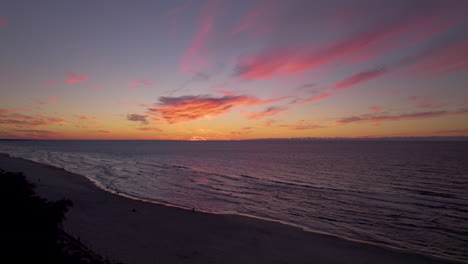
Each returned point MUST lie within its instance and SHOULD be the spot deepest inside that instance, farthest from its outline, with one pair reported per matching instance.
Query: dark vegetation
(31, 230)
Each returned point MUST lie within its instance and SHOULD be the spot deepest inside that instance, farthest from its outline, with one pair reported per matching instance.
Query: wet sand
(134, 231)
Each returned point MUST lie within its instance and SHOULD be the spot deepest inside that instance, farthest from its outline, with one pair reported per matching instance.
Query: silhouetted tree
(30, 226)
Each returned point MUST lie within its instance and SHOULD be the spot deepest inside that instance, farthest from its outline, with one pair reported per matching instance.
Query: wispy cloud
(21, 120)
(255, 21)
(360, 77)
(362, 46)
(138, 118)
(243, 131)
(303, 125)
(87, 118)
(150, 129)
(50, 99)
(137, 83)
(454, 132)
(406, 116)
(194, 59)
(269, 123)
(270, 111)
(75, 78)
(440, 61)
(172, 12)
(314, 98)
(101, 131)
(426, 102)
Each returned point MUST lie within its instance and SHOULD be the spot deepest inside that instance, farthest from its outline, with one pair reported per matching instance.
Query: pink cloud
(360, 77)
(291, 60)
(254, 21)
(3, 21)
(194, 59)
(4, 111)
(75, 78)
(29, 134)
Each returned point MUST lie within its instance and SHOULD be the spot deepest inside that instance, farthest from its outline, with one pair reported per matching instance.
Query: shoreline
(187, 236)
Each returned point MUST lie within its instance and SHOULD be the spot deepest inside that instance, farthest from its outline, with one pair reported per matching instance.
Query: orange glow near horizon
(220, 70)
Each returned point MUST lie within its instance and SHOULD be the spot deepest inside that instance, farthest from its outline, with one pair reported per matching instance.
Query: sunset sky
(230, 69)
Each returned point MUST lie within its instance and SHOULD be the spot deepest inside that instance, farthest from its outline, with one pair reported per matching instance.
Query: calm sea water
(409, 195)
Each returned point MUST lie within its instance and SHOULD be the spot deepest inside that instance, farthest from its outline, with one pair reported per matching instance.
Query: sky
(232, 69)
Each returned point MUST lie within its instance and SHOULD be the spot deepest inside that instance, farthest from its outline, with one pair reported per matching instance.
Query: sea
(409, 195)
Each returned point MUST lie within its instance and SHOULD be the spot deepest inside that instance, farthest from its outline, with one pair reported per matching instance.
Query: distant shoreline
(136, 232)
(321, 139)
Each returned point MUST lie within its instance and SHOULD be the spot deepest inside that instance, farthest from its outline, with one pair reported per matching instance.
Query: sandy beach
(133, 231)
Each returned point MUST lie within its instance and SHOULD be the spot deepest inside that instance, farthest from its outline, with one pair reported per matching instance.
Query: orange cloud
(187, 108)
(75, 78)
